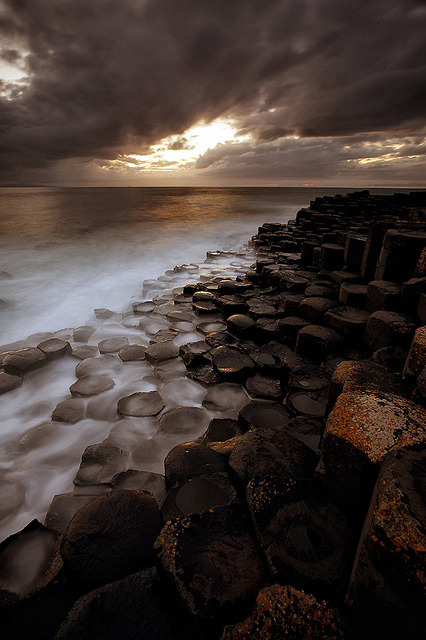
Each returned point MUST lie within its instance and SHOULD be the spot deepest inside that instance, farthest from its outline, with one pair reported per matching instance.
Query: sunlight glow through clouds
(177, 152)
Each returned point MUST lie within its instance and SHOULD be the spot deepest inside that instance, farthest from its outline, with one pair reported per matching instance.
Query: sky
(213, 92)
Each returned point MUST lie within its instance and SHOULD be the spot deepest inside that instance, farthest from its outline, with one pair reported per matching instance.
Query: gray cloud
(108, 76)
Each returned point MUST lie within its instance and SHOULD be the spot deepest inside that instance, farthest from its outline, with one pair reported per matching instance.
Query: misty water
(65, 252)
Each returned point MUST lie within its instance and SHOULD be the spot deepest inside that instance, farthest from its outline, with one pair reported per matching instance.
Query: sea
(67, 251)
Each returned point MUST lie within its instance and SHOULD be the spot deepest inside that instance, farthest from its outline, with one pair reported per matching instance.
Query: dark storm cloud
(107, 76)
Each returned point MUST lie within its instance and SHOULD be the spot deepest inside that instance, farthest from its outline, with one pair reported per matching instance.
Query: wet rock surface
(111, 537)
(141, 404)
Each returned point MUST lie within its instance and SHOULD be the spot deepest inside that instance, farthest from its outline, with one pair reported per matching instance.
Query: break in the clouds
(314, 89)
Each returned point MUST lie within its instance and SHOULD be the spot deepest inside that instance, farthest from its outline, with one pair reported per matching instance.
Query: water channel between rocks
(40, 456)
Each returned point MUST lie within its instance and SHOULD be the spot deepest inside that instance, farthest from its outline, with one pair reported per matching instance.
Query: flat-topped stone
(318, 342)
(190, 460)
(198, 494)
(23, 360)
(389, 328)
(132, 352)
(349, 321)
(383, 295)
(416, 359)
(232, 363)
(70, 410)
(91, 385)
(84, 352)
(140, 404)
(314, 309)
(99, 464)
(95, 366)
(63, 508)
(54, 348)
(112, 345)
(263, 415)
(183, 420)
(161, 351)
(260, 386)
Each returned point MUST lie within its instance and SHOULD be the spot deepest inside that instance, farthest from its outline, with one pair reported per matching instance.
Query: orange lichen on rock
(375, 423)
(416, 360)
(285, 612)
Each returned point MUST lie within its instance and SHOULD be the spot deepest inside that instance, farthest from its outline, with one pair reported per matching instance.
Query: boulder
(63, 508)
(348, 321)
(221, 429)
(284, 613)
(240, 325)
(9, 381)
(416, 360)
(111, 537)
(383, 295)
(353, 295)
(314, 309)
(232, 363)
(212, 564)
(305, 537)
(154, 483)
(386, 592)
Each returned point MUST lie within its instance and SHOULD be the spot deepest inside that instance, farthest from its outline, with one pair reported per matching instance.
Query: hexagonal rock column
(416, 360)
(305, 538)
(385, 328)
(349, 321)
(362, 428)
(212, 564)
(140, 404)
(386, 593)
(318, 342)
(399, 255)
(265, 451)
(54, 348)
(284, 613)
(23, 360)
(8, 381)
(232, 363)
(111, 537)
(383, 295)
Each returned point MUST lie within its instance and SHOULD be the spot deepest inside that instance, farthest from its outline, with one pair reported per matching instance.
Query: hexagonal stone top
(161, 351)
(91, 385)
(141, 404)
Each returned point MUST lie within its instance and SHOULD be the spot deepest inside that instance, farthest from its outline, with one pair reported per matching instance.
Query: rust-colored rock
(360, 431)
(416, 360)
(285, 613)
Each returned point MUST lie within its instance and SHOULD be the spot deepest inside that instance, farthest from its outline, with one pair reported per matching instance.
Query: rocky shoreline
(298, 509)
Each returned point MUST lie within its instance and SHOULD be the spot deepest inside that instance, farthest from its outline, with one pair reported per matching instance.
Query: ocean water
(64, 253)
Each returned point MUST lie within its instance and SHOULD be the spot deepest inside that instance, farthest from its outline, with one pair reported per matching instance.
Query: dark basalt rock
(197, 495)
(284, 613)
(111, 537)
(232, 363)
(225, 397)
(386, 593)
(103, 314)
(132, 352)
(23, 360)
(399, 255)
(240, 325)
(291, 325)
(221, 429)
(263, 415)
(261, 386)
(161, 351)
(265, 451)
(99, 464)
(211, 327)
(9, 381)
(348, 321)
(290, 302)
(353, 295)
(383, 295)
(306, 430)
(91, 386)
(304, 536)
(392, 358)
(154, 483)
(332, 256)
(220, 339)
(389, 328)
(54, 348)
(321, 291)
(70, 410)
(310, 404)
(183, 420)
(130, 608)
(314, 309)
(318, 342)
(163, 335)
(189, 460)
(308, 377)
(95, 366)
(212, 564)
(204, 373)
(141, 404)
